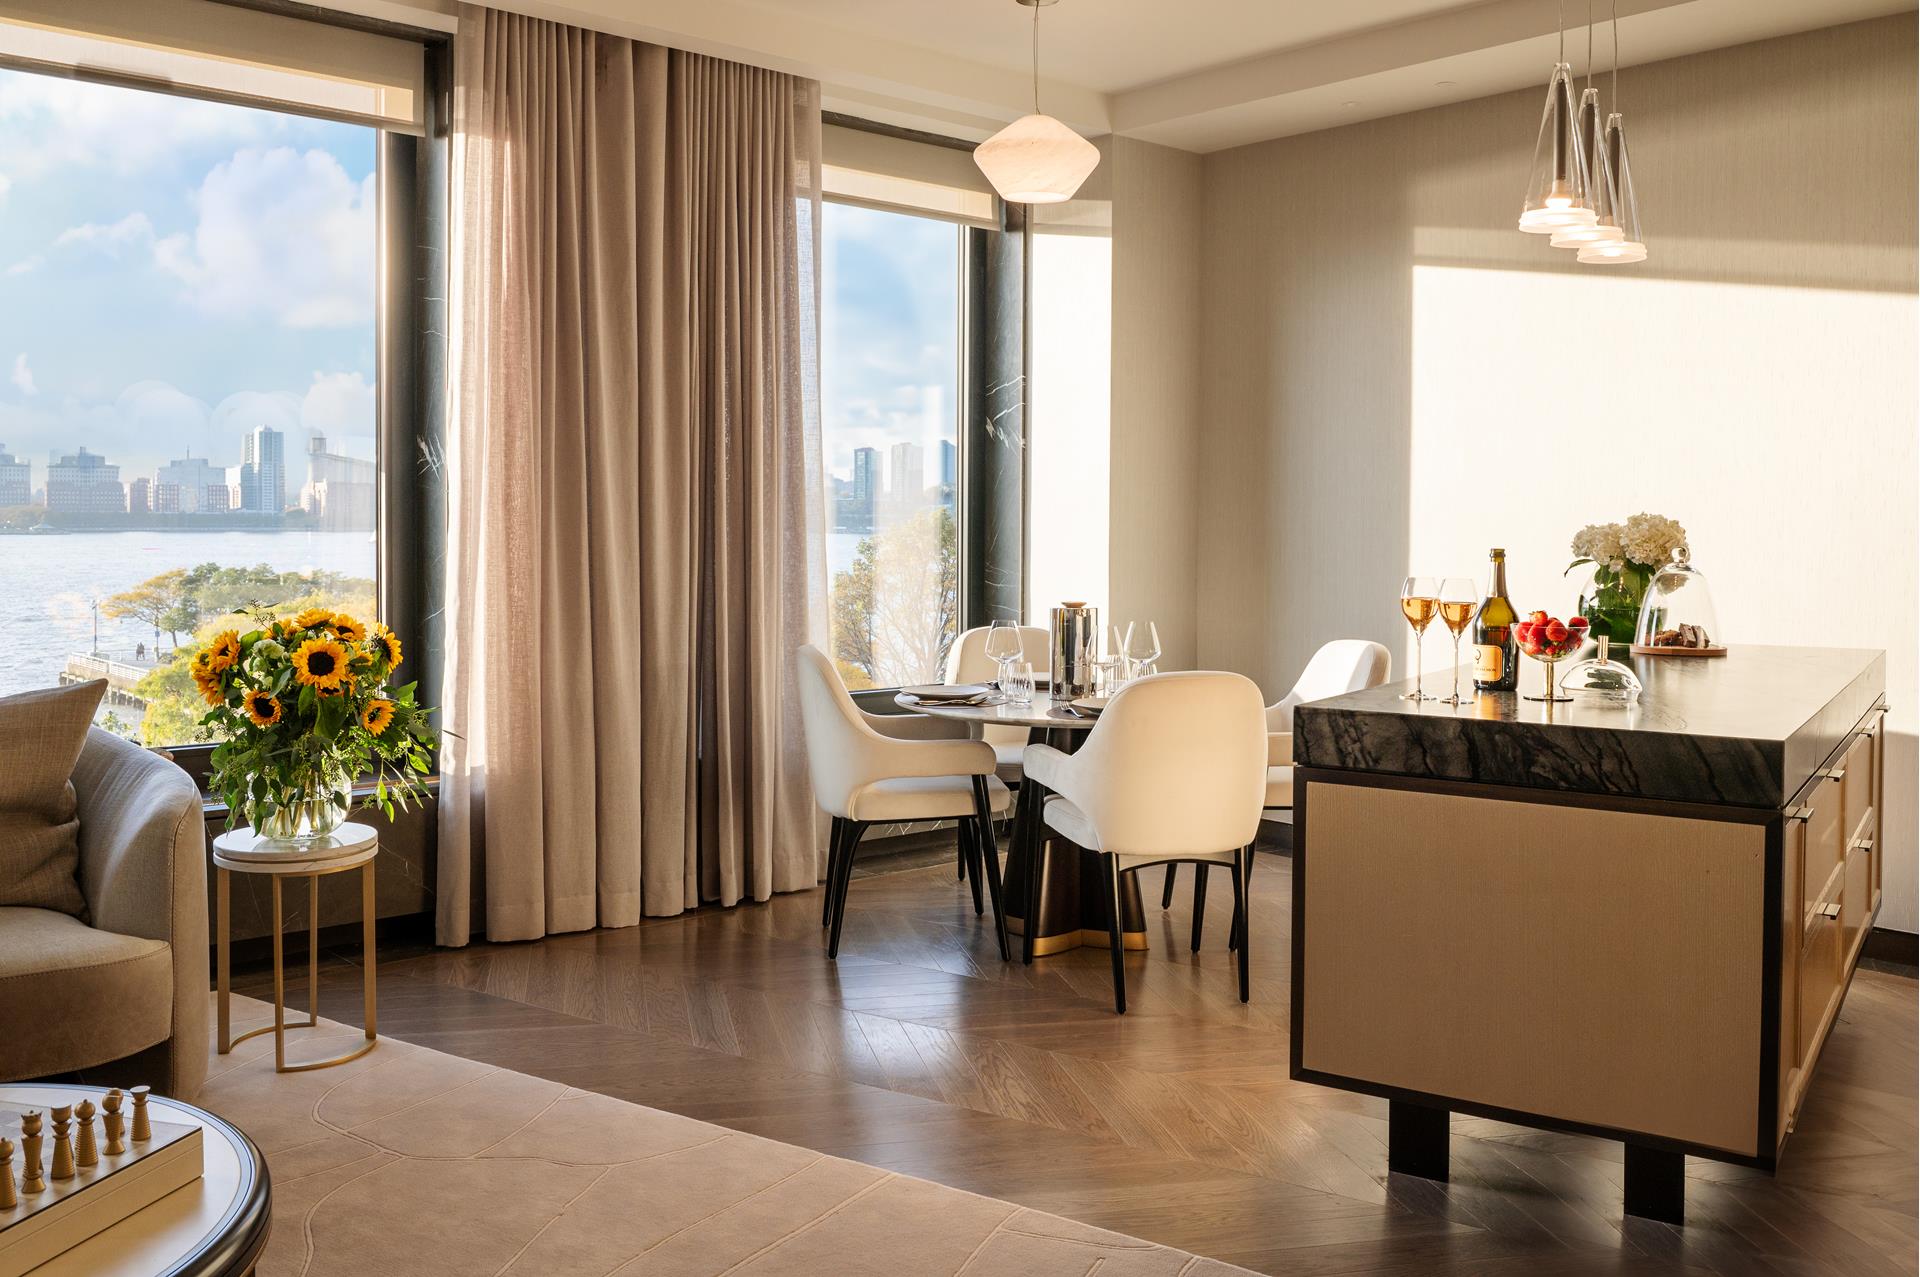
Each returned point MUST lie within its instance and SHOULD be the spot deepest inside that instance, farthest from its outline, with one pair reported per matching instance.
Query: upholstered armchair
(121, 996)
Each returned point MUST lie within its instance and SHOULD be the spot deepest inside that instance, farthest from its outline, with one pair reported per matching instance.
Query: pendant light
(1630, 247)
(1606, 227)
(1036, 159)
(1557, 196)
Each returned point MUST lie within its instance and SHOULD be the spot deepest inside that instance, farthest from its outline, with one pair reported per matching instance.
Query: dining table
(1052, 885)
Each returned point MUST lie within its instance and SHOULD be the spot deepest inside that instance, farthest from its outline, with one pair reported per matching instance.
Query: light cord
(1589, 44)
(1036, 58)
(1563, 32)
(1616, 55)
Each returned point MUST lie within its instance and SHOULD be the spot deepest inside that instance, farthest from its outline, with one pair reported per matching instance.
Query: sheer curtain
(635, 546)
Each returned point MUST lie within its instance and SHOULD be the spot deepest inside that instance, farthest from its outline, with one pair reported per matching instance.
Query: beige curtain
(635, 540)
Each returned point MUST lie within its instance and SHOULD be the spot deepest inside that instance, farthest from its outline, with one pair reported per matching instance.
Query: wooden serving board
(68, 1212)
(1644, 649)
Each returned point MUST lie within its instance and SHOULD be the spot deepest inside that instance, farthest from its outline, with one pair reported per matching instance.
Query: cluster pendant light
(1581, 189)
(1036, 159)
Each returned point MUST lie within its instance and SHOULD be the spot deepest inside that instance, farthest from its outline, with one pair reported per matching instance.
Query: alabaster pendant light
(1630, 247)
(1036, 159)
(1557, 195)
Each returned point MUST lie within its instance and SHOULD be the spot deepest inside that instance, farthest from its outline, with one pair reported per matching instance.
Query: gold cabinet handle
(1861, 844)
(1802, 814)
(1831, 909)
(1835, 773)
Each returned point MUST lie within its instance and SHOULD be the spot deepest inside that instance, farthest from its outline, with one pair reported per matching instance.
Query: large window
(889, 389)
(187, 299)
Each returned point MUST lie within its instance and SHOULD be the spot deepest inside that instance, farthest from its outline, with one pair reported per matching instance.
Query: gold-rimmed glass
(1459, 600)
(1419, 603)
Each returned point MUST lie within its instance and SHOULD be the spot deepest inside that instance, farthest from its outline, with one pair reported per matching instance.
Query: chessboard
(71, 1171)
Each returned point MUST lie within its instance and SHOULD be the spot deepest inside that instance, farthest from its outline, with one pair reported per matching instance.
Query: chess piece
(30, 1137)
(115, 1123)
(87, 1153)
(142, 1125)
(62, 1142)
(7, 1198)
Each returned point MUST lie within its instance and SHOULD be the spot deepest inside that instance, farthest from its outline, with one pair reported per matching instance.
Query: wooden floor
(921, 1052)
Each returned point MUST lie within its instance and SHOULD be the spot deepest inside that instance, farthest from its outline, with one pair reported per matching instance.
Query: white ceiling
(1197, 74)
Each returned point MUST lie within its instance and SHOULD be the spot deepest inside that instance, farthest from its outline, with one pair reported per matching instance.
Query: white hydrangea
(1604, 543)
(1651, 539)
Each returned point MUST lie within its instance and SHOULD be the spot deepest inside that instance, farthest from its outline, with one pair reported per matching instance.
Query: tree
(895, 609)
(159, 601)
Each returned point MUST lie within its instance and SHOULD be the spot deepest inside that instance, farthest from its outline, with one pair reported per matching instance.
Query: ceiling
(1201, 75)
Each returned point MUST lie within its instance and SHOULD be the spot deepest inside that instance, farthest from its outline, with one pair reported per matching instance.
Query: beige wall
(1393, 379)
(1155, 451)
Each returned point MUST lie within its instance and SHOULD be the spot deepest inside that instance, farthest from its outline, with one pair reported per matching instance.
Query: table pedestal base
(1072, 906)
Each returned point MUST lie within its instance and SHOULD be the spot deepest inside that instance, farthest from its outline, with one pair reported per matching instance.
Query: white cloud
(281, 233)
(132, 230)
(23, 375)
(48, 123)
(339, 405)
(6, 184)
(24, 265)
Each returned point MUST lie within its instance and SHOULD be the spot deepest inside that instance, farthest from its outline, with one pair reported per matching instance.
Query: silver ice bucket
(1075, 644)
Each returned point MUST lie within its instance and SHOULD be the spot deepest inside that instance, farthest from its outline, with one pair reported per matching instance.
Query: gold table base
(279, 1027)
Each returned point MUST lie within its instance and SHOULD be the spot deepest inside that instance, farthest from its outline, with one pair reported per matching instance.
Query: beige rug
(413, 1162)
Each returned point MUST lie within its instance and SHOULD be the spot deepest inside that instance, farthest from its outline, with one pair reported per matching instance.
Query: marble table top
(1041, 711)
(1746, 730)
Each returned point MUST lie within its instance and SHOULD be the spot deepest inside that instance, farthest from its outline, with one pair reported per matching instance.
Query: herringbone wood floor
(921, 1052)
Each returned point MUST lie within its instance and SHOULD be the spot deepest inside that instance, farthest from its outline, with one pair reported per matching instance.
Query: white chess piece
(88, 1152)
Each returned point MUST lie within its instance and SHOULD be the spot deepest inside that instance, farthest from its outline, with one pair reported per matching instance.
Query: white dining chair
(894, 768)
(1342, 665)
(1175, 770)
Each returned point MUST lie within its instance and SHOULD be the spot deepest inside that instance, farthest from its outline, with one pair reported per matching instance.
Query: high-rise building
(948, 466)
(907, 473)
(263, 471)
(184, 486)
(16, 479)
(83, 483)
(866, 474)
(339, 492)
(140, 496)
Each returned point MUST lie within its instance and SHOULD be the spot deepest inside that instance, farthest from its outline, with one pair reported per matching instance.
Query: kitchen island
(1636, 922)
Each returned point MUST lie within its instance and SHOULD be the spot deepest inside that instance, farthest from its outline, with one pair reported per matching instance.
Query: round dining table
(1056, 897)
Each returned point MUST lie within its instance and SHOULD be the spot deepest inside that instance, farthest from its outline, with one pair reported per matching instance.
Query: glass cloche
(1677, 617)
(1601, 678)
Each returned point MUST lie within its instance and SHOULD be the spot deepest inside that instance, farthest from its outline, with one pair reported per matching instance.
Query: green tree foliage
(896, 608)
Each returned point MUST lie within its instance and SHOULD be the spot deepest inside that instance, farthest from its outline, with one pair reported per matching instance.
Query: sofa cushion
(41, 733)
(72, 997)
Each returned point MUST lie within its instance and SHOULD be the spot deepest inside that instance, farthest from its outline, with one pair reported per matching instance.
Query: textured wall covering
(1156, 391)
(1389, 370)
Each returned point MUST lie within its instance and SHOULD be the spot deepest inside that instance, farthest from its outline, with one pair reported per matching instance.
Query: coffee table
(214, 1227)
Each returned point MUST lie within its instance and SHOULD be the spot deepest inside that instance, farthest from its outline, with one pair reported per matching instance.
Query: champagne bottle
(1496, 652)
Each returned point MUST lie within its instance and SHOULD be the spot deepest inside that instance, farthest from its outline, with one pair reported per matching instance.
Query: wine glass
(1459, 599)
(1123, 668)
(1143, 647)
(1003, 647)
(1419, 602)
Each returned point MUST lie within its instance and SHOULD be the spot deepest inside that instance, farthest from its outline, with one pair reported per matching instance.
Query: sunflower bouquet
(305, 708)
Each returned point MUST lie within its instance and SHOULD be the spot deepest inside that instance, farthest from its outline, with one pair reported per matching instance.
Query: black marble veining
(1744, 730)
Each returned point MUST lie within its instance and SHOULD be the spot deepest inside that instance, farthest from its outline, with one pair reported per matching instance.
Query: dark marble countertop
(1747, 729)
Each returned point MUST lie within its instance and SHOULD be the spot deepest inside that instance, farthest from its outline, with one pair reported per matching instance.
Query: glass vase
(1611, 603)
(315, 807)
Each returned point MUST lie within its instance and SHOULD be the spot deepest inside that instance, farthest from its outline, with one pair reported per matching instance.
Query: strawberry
(1577, 622)
(1524, 632)
(1556, 633)
(1538, 618)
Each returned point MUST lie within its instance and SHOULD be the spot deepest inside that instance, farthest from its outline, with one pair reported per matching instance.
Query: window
(187, 420)
(889, 390)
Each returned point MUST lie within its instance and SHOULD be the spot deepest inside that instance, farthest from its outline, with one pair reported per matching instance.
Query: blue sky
(890, 332)
(175, 272)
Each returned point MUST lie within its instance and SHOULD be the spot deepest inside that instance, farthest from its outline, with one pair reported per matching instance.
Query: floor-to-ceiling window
(890, 402)
(187, 416)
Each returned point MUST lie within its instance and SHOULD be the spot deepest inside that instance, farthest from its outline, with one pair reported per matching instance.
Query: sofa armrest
(143, 870)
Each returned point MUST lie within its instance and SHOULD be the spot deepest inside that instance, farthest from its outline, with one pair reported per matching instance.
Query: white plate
(1092, 704)
(947, 691)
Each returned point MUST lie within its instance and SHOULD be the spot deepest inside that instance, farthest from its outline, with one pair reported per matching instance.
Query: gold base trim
(350, 1056)
(1088, 937)
(308, 1023)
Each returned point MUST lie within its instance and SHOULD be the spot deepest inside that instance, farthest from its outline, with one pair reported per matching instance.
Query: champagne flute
(1003, 647)
(1419, 602)
(1459, 599)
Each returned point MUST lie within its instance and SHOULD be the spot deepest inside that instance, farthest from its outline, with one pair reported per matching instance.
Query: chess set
(106, 1163)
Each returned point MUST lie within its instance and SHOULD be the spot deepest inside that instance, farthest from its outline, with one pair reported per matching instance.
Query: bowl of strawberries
(1550, 640)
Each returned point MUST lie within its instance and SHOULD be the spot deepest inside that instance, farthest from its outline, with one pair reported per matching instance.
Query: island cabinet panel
(1583, 963)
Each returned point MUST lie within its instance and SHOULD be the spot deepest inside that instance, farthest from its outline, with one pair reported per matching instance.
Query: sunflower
(313, 618)
(376, 716)
(320, 663)
(223, 651)
(385, 642)
(282, 629)
(209, 685)
(346, 629)
(263, 708)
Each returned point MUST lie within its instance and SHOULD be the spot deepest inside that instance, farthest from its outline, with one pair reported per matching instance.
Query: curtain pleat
(635, 482)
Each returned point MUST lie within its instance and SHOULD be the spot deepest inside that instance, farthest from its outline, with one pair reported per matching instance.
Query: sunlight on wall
(1777, 424)
(1068, 466)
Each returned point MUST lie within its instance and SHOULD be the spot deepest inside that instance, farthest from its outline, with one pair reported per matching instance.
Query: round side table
(351, 846)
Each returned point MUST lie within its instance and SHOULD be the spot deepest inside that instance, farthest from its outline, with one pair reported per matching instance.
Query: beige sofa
(125, 999)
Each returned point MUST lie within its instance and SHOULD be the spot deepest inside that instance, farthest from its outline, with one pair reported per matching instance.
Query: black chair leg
(1166, 886)
(970, 851)
(960, 855)
(1034, 835)
(1240, 915)
(833, 870)
(1111, 865)
(850, 841)
(1199, 901)
(989, 860)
